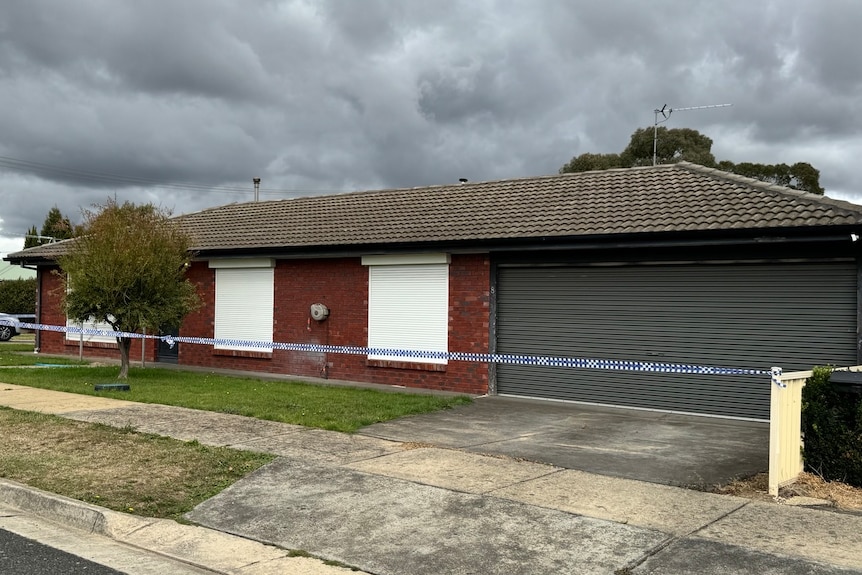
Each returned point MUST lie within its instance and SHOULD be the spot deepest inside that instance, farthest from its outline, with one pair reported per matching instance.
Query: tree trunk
(125, 344)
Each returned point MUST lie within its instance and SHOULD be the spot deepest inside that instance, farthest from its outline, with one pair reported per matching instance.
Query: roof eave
(676, 238)
(24, 261)
(670, 239)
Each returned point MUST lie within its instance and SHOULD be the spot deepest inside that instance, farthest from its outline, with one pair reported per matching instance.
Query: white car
(9, 326)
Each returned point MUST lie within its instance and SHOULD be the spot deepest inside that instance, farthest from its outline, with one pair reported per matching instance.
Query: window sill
(243, 353)
(92, 344)
(441, 367)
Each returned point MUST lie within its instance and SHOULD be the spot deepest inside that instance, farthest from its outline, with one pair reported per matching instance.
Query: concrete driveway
(664, 448)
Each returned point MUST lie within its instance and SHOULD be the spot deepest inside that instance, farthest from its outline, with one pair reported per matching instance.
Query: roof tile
(676, 197)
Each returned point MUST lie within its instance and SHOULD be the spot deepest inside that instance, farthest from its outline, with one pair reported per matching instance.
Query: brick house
(677, 264)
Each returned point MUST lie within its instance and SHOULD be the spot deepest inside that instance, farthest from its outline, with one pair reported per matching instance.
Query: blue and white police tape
(775, 373)
(409, 354)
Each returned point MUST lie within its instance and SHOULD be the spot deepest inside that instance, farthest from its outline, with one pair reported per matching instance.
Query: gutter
(662, 240)
(838, 235)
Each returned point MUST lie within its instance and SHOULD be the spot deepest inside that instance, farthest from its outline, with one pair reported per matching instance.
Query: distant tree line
(19, 296)
(678, 144)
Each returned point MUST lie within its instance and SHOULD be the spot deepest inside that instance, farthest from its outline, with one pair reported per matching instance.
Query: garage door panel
(716, 395)
(748, 316)
(797, 347)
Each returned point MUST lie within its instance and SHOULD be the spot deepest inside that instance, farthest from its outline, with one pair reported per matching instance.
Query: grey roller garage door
(736, 315)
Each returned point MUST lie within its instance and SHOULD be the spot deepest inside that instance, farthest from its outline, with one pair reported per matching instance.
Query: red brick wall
(341, 284)
(469, 319)
(50, 312)
(199, 323)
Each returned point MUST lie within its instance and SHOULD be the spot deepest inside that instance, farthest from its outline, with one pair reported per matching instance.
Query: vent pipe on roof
(463, 180)
(256, 187)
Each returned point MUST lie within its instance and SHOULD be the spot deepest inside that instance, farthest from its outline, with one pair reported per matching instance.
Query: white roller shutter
(88, 337)
(408, 309)
(243, 307)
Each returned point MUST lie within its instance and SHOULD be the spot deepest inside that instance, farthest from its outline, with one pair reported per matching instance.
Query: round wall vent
(319, 312)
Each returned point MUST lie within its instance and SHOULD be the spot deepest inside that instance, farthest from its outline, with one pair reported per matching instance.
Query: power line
(42, 169)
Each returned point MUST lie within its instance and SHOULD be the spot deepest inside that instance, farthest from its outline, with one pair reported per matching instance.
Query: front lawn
(119, 469)
(323, 406)
(19, 351)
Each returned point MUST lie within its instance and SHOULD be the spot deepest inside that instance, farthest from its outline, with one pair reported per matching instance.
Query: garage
(741, 315)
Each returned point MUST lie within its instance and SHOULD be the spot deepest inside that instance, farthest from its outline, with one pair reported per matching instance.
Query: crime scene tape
(408, 354)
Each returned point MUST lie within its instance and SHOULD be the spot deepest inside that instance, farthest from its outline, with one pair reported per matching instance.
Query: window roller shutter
(408, 309)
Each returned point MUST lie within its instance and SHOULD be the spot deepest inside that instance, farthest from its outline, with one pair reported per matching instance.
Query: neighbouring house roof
(681, 197)
(10, 272)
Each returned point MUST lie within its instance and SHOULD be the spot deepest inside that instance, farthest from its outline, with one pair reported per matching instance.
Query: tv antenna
(666, 112)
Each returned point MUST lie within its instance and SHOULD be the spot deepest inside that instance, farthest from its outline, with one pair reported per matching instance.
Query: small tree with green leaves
(832, 426)
(127, 269)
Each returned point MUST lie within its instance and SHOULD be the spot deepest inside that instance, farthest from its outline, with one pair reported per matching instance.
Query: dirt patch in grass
(840, 495)
(119, 469)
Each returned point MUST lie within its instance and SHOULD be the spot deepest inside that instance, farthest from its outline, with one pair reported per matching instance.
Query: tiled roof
(43, 252)
(669, 198)
(676, 197)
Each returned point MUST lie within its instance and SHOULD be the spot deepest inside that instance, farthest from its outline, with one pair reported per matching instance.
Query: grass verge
(20, 352)
(119, 469)
(334, 408)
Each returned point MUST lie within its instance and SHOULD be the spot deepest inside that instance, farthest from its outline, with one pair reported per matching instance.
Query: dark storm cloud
(829, 45)
(153, 47)
(319, 96)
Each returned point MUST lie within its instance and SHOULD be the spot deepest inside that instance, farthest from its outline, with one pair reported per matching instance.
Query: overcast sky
(182, 102)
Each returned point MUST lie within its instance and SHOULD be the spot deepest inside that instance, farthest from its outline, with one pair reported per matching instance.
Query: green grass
(137, 473)
(326, 407)
(18, 352)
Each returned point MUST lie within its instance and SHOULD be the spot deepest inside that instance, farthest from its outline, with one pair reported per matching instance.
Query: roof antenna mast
(666, 112)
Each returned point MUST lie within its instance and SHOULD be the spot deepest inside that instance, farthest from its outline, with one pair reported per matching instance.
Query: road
(22, 556)
(30, 545)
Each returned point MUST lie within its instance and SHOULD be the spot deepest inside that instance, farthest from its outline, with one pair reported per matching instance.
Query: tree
(588, 162)
(799, 176)
(127, 268)
(18, 296)
(55, 227)
(32, 239)
(678, 144)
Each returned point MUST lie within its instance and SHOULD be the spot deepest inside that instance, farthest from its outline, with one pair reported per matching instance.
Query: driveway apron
(671, 449)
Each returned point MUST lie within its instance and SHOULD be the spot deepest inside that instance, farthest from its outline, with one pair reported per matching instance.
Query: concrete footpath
(410, 507)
